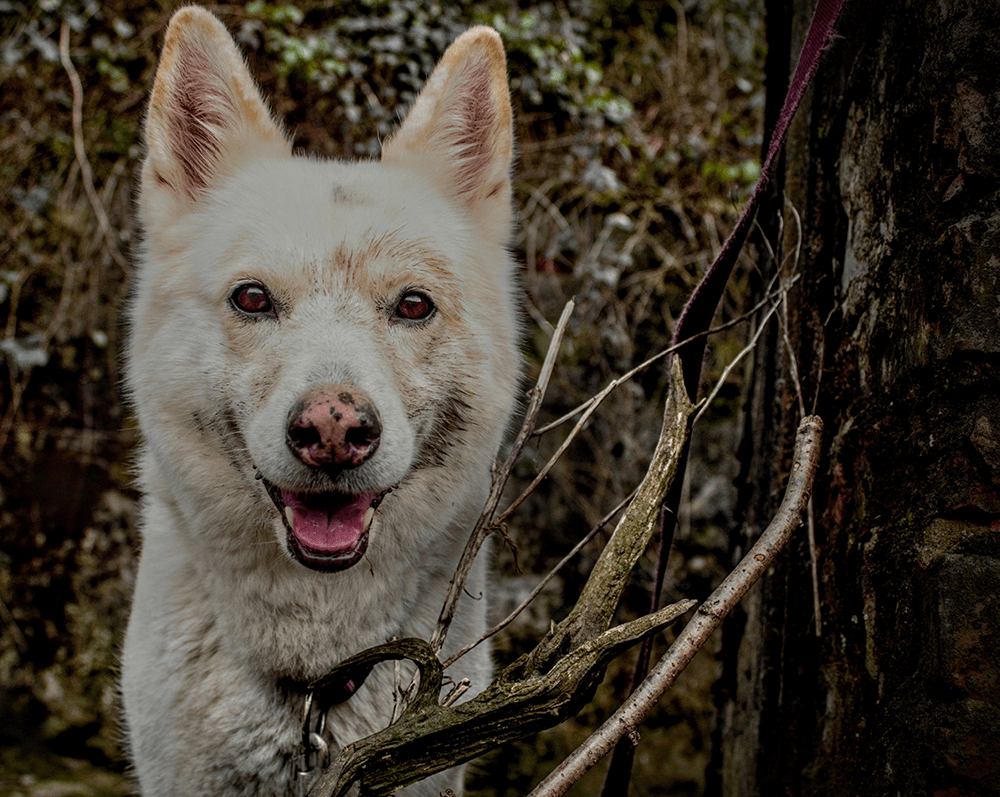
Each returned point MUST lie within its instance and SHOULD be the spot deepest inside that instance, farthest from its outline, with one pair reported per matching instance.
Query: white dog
(323, 361)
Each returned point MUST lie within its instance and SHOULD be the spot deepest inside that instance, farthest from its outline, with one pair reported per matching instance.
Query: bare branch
(540, 689)
(556, 679)
(541, 584)
(705, 621)
(610, 574)
(659, 356)
(430, 737)
(484, 525)
(81, 152)
(591, 408)
(728, 369)
(794, 370)
(814, 570)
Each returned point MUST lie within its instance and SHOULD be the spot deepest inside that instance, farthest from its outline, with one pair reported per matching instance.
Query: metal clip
(319, 746)
(314, 751)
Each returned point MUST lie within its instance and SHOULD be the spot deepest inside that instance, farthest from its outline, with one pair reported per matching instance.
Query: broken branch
(542, 688)
(708, 617)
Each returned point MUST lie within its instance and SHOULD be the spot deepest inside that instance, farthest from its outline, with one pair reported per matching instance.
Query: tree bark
(893, 168)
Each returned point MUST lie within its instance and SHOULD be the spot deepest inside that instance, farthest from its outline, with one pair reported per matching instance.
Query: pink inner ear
(471, 134)
(200, 111)
(459, 130)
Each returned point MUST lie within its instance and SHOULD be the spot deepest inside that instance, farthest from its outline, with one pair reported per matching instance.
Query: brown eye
(251, 298)
(414, 307)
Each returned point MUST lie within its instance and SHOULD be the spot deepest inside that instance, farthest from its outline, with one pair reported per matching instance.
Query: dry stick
(595, 402)
(793, 364)
(658, 356)
(541, 584)
(810, 525)
(620, 768)
(735, 361)
(538, 318)
(549, 684)
(81, 152)
(589, 407)
(706, 619)
(484, 524)
(810, 519)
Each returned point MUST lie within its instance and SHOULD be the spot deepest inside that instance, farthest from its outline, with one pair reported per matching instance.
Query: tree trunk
(892, 166)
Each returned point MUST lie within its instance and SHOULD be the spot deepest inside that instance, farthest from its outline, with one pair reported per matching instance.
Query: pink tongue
(327, 522)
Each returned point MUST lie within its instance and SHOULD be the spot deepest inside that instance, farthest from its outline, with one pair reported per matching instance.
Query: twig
(456, 692)
(658, 356)
(794, 367)
(81, 152)
(793, 363)
(706, 619)
(484, 525)
(541, 584)
(810, 520)
(15, 630)
(594, 404)
(538, 318)
(538, 690)
(611, 386)
(814, 568)
(728, 369)
(590, 406)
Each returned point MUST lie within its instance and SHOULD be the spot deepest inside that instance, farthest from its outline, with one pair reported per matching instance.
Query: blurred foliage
(639, 133)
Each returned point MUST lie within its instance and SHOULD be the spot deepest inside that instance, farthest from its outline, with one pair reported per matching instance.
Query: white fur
(221, 610)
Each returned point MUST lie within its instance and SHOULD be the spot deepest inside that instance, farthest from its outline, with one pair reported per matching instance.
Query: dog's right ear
(206, 115)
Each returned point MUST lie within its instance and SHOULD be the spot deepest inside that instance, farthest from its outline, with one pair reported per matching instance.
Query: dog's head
(318, 334)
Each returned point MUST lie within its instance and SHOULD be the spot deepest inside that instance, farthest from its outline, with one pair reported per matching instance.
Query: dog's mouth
(326, 531)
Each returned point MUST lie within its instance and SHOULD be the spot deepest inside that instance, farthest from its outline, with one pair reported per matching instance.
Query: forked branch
(484, 526)
(542, 688)
(708, 617)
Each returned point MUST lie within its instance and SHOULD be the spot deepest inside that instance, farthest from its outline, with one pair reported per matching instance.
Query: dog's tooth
(366, 521)
(289, 516)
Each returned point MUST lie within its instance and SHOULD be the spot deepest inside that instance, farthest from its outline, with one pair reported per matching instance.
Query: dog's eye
(251, 298)
(414, 307)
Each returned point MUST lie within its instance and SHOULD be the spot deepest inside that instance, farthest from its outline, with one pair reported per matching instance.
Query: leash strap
(700, 308)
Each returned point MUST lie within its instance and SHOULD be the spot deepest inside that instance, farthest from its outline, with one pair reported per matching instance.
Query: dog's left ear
(459, 131)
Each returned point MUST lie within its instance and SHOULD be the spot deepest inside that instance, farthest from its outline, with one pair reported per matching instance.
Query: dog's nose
(334, 426)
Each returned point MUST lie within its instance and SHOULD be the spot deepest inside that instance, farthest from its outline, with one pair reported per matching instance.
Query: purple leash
(700, 308)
